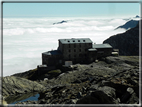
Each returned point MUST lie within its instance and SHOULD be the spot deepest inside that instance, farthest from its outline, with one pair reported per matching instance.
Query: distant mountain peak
(137, 16)
(128, 25)
(127, 42)
(60, 22)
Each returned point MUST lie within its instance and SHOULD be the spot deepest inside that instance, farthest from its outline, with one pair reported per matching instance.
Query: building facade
(77, 50)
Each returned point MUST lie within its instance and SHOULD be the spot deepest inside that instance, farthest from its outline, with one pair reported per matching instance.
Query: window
(69, 55)
(83, 40)
(89, 44)
(74, 50)
(69, 45)
(101, 52)
(80, 50)
(69, 50)
(78, 40)
(74, 45)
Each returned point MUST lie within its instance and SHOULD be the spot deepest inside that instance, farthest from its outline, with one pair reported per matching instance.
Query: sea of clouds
(24, 39)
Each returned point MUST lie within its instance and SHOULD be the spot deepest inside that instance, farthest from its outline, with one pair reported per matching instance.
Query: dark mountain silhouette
(127, 43)
(129, 24)
(137, 16)
(60, 22)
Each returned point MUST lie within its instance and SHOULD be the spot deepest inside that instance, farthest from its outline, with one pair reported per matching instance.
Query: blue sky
(71, 9)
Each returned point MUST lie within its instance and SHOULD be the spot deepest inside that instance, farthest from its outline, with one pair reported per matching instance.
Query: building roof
(75, 40)
(101, 46)
(54, 52)
(42, 66)
(92, 49)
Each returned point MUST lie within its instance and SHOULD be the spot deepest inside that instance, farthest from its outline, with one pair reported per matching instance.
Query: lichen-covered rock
(15, 85)
(109, 91)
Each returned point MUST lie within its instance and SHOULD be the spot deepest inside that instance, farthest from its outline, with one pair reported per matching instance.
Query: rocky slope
(127, 43)
(128, 25)
(112, 80)
(12, 85)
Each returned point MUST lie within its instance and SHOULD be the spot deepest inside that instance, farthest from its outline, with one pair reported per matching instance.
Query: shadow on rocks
(97, 97)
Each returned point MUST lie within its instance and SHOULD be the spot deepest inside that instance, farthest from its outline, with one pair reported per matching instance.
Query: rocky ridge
(12, 85)
(128, 25)
(127, 43)
(112, 80)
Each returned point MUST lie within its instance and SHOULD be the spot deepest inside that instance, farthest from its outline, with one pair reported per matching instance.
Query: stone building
(103, 50)
(51, 58)
(77, 50)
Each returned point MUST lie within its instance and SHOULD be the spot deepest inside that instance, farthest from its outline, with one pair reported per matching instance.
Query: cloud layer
(25, 39)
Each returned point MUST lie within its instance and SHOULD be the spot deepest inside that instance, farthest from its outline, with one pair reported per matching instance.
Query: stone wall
(76, 52)
(92, 56)
(103, 52)
(51, 59)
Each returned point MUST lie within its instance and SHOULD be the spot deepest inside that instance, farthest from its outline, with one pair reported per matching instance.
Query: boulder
(97, 97)
(15, 85)
(108, 90)
(133, 99)
(127, 95)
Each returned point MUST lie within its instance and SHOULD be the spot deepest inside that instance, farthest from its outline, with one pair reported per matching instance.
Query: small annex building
(75, 50)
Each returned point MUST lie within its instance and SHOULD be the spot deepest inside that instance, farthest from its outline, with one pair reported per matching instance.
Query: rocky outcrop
(112, 80)
(127, 43)
(12, 85)
(130, 24)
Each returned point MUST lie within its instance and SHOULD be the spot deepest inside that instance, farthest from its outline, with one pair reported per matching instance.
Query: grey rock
(130, 90)
(99, 84)
(108, 90)
(134, 82)
(79, 95)
(133, 99)
(16, 85)
(127, 95)
(97, 97)
(74, 101)
(94, 87)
